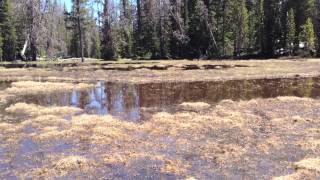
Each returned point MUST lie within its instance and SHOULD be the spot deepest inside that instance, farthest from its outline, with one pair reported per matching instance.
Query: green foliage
(317, 25)
(307, 35)
(1, 51)
(291, 31)
(8, 31)
(125, 37)
(241, 28)
(96, 47)
(199, 42)
(149, 41)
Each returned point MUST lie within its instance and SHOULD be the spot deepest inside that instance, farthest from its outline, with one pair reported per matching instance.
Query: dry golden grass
(301, 174)
(21, 88)
(36, 110)
(197, 106)
(309, 164)
(64, 166)
(312, 144)
(194, 144)
(45, 121)
(10, 135)
(166, 164)
(91, 127)
(86, 72)
(305, 169)
(27, 87)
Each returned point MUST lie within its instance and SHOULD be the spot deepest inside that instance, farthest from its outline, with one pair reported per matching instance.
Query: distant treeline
(159, 29)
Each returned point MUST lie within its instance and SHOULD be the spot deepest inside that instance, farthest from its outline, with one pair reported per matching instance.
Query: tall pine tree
(291, 31)
(7, 31)
(317, 25)
(307, 35)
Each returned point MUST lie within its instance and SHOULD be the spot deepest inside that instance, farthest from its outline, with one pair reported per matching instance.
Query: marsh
(89, 121)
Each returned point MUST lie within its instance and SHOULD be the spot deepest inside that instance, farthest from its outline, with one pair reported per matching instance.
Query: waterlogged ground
(135, 128)
(159, 71)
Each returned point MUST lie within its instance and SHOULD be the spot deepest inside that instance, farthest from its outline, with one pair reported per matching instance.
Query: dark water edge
(132, 102)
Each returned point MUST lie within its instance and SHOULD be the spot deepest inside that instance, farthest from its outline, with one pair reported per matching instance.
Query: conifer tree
(126, 30)
(241, 28)
(317, 25)
(1, 52)
(291, 31)
(107, 43)
(307, 35)
(8, 32)
(269, 24)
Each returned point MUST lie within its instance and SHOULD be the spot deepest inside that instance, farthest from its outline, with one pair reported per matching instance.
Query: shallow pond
(136, 102)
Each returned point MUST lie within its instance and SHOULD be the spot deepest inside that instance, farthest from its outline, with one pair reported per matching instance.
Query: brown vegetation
(35, 110)
(229, 139)
(23, 88)
(141, 71)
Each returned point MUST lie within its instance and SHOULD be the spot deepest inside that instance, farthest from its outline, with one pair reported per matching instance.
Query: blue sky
(67, 3)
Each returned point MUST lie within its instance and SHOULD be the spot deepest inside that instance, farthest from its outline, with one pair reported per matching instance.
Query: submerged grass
(36, 110)
(22, 88)
(225, 140)
(64, 166)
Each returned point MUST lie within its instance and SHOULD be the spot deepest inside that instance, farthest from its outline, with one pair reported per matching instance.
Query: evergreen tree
(79, 16)
(107, 43)
(269, 24)
(198, 22)
(149, 42)
(241, 28)
(96, 46)
(8, 32)
(165, 32)
(304, 9)
(1, 52)
(307, 35)
(126, 30)
(317, 25)
(255, 21)
(291, 31)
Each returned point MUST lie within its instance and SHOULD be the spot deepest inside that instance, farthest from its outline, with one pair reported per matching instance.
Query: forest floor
(259, 138)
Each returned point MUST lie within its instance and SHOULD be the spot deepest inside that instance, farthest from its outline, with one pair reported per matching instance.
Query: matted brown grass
(256, 69)
(36, 110)
(253, 139)
(23, 88)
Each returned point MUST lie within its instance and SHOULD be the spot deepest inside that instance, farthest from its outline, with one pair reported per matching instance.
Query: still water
(134, 102)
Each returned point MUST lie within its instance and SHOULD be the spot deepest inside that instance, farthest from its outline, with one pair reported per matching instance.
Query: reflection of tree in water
(123, 101)
(126, 100)
(116, 99)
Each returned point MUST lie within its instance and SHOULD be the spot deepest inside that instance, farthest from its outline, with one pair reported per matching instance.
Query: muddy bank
(167, 71)
(262, 138)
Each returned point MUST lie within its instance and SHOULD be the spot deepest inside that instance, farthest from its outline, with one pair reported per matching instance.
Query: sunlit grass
(135, 71)
(229, 135)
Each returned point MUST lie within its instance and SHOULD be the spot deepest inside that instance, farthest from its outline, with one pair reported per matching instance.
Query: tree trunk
(23, 51)
(139, 16)
(223, 28)
(107, 43)
(33, 36)
(268, 29)
(80, 31)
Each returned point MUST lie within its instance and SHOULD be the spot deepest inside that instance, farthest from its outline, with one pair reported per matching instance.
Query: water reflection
(120, 100)
(130, 101)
